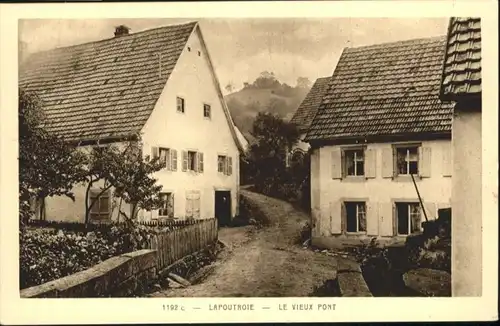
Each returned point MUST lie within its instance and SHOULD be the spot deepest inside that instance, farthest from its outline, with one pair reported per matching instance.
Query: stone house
(379, 123)
(461, 84)
(160, 83)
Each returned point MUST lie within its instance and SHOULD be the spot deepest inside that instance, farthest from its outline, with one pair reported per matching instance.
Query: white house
(306, 111)
(159, 83)
(461, 84)
(380, 122)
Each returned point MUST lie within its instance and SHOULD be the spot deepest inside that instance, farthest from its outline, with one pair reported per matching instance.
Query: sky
(242, 48)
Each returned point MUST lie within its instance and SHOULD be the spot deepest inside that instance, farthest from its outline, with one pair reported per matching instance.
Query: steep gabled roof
(384, 90)
(305, 113)
(107, 88)
(462, 65)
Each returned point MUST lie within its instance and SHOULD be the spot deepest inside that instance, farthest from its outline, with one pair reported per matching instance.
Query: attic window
(116, 59)
(189, 49)
(106, 81)
(199, 53)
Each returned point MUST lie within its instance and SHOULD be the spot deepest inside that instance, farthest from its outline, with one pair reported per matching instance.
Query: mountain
(265, 94)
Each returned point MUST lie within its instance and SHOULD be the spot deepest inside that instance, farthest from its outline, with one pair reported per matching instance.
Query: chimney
(121, 30)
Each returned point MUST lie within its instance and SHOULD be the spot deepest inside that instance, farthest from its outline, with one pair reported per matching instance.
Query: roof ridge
(395, 43)
(112, 38)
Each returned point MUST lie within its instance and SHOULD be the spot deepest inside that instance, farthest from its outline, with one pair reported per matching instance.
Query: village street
(267, 262)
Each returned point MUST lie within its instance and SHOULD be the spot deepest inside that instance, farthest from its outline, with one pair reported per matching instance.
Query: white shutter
(387, 163)
(173, 160)
(431, 210)
(336, 217)
(386, 219)
(200, 162)
(155, 152)
(184, 161)
(370, 163)
(424, 162)
(447, 161)
(371, 219)
(189, 205)
(336, 163)
(229, 165)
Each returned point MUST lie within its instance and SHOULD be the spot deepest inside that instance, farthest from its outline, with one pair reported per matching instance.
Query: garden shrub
(49, 254)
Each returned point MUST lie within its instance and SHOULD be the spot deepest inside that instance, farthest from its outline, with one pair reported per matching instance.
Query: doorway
(223, 207)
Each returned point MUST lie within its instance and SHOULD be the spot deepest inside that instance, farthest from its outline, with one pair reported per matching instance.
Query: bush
(49, 254)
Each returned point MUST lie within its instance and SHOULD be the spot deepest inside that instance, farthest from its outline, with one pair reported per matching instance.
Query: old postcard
(278, 162)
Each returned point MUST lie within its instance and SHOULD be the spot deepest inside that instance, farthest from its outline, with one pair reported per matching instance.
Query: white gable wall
(192, 80)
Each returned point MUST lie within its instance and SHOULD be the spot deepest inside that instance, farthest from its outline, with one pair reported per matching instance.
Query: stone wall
(118, 276)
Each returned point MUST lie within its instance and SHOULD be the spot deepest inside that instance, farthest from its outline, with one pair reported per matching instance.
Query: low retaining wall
(350, 279)
(118, 276)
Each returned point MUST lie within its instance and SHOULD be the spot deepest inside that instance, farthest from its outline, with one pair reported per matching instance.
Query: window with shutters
(225, 164)
(354, 162)
(408, 218)
(167, 205)
(355, 217)
(407, 160)
(168, 156)
(192, 161)
(102, 204)
(180, 105)
(193, 204)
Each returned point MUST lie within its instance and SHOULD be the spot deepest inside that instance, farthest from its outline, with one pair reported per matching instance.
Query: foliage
(268, 161)
(48, 254)
(48, 166)
(128, 173)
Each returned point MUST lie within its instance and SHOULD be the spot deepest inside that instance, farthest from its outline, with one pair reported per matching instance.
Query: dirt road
(265, 262)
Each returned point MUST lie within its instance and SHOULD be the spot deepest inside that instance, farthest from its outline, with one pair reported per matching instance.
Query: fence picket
(181, 238)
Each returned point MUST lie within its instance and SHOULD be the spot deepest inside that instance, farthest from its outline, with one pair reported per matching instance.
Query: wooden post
(419, 198)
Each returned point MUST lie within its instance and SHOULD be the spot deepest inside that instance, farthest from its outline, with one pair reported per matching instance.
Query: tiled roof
(462, 66)
(106, 88)
(383, 90)
(304, 115)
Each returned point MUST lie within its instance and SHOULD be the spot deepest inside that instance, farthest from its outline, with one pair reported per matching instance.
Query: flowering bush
(48, 254)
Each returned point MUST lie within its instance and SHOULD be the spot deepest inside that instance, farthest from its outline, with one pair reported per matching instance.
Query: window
(192, 161)
(407, 218)
(167, 208)
(354, 162)
(165, 156)
(407, 160)
(168, 156)
(101, 208)
(206, 111)
(355, 217)
(193, 204)
(180, 104)
(225, 164)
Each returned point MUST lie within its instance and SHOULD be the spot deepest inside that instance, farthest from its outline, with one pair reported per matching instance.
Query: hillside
(273, 97)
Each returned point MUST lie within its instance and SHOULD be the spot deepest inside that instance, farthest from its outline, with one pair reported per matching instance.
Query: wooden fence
(187, 239)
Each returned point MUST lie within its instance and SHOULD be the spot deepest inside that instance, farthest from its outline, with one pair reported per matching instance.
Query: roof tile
(104, 88)
(384, 89)
(462, 67)
(305, 113)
